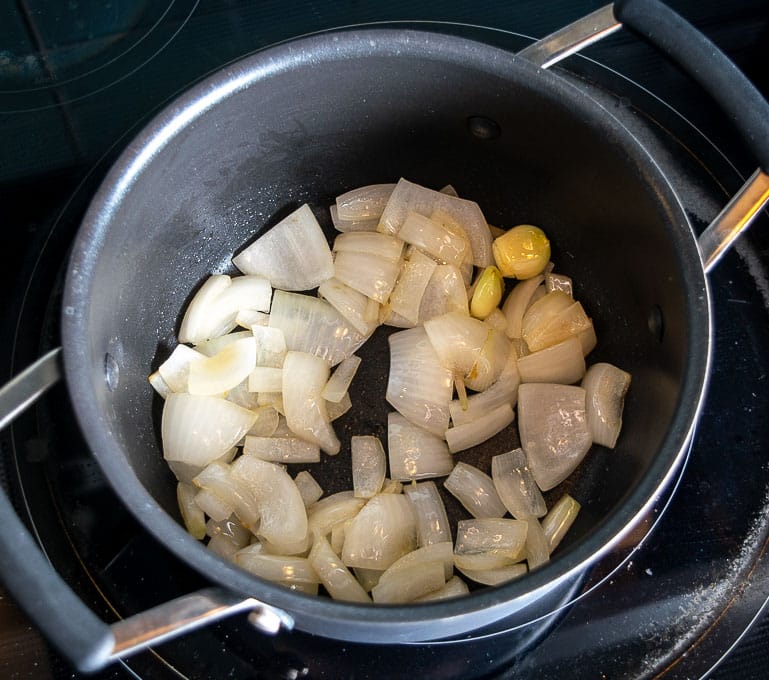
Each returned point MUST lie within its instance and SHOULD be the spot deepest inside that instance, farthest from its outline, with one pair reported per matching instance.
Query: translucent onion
(249, 317)
(553, 428)
(559, 282)
(266, 423)
(218, 481)
(516, 304)
(588, 339)
(334, 509)
(213, 506)
(368, 578)
(516, 486)
(284, 570)
(282, 449)
(481, 561)
(455, 587)
(265, 379)
(457, 339)
(159, 385)
(430, 513)
(340, 380)
(391, 486)
(380, 533)
(411, 197)
(309, 489)
(471, 434)
(192, 516)
(283, 518)
(418, 385)
(225, 370)
(336, 409)
(445, 292)
(230, 528)
(351, 225)
(561, 363)
(223, 546)
(537, 545)
(437, 552)
(497, 320)
(217, 344)
(489, 362)
(475, 490)
(368, 465)
(505, 537)
(364, 203)
(415, 453)
(434, 239)
(370, 274)
(448, 222)
(495, 577)
(242, 397)
(406, 297)
(605, 389)
(409, 583)
(552, 319)
(292, 255)
(333, 574)
(312, 325)
(195, 323)
(559, 520)
(351, 304)
(199, 429)
(175, 371)
(370, 242)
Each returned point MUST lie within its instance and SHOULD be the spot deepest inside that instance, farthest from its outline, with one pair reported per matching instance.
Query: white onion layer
(475, 490)
(415, 453)
(605, 389)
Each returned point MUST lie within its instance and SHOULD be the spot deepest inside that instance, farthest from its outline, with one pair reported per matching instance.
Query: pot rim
(326, 616)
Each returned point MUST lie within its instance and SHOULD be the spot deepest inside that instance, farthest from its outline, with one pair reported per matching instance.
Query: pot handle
(697, 56)
(64, 619)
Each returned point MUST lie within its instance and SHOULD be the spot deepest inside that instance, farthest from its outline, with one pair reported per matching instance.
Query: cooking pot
(305, 121)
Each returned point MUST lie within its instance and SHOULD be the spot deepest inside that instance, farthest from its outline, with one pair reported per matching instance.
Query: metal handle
(660, 26)
(64, 619)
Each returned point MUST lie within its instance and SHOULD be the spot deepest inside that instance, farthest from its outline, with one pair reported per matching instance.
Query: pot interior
(311, 120)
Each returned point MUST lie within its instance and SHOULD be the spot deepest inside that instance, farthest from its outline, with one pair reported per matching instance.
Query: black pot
(306, 121)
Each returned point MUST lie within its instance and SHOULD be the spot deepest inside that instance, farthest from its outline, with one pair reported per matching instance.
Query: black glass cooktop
(77, 80)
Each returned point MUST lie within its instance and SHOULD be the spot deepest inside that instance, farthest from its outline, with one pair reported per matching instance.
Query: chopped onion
(454, 588)
(380, 533)
(192, 515)
(415, 453)
(495, 577)
(333, 574)
(561, 363)
(246, 318)
(223, 546)
(217, 344)
(457, 339)
(517, 303)
(351, 225)
(265, 379)
(300, 547)
(448, 222)
(312, 325)
(337, 537)
(551, 319)
(391, 486)
(282, 569)
(429, 512)
(489, 362)
(553, 429)
(159, 385)
(370, 242)
(218, 480)
(230, 528)
(368, 465)
(516, 486)
(175, 371)
(363, 203)
(242, 397)
(309, 489)
(475, 490)
(559, 520)
(481, 561)
(559, 282)
(497, 320)
(198, 429)
(406, 297)
(195, 323)
(353, 305)
(293, 255)
(408, 197)
(434, 239)
(213, 506)
(588, 339)
(437, 552)
(418, 385)
(339, 507)
(282, 449)
(336, 409)
(266, 423)
(445, 292)
(449, 190)
(339, 382)
(605, 389)
(304, 377)
(372, 275)
(505, 537)
(225, 370)
(465, 436)
(409, 583)
(283, 518)
(270, 346)
(537, 545)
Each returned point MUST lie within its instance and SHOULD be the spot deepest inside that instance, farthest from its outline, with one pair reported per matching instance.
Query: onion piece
(246, 318)
(337, 537)
(588, 339)
(465, 436)
(516, 304)
(437, 552)
(553, 428)
(415, 453)
(192, 516)
(406, 297)
(559, 282)
(391, 486)
(430, 513)
(445, 292)
(353, 305)
(339, 507)
(448, 222)
(336, 409)
(270, 346)
(309, 489)
(282, 569)
(457, 339)
(380, 533)
(175, 371)
(475, 490)
(242, 397)
(281, 449)
(370, 242)
(230, 528)
(605, 389)
(368, 465)
(217, 479)
(368, 578)
(195, 323)
(339, 382)
(333, 574)
(497, 320)
(418, 385)
(372, 275)
(314, 326)
(351, 225)
(364, 203)
(265, 379)
(217, 344)
(304, 377)
(266, 423)
(489, 362)
(559, 520)
(481, 561)
(159, 385)
(198, 429)
(409, 583)
(516, 486)
(213, 506)
(225, 370)
(455, 587)
(411, 197)
(283, 518)
(292, 255)
(537, 545)
(223, 546)
(553, 319)
(561, 363)
(495, 577)
(506, 537)
(434, 239)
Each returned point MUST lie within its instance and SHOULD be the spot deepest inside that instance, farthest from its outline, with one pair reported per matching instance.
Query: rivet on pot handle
(660, 26)
(68, 623)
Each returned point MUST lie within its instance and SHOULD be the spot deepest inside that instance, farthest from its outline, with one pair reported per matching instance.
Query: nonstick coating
(311, 119)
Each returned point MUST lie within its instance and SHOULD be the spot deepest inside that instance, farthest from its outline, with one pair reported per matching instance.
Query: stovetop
(77, 81)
